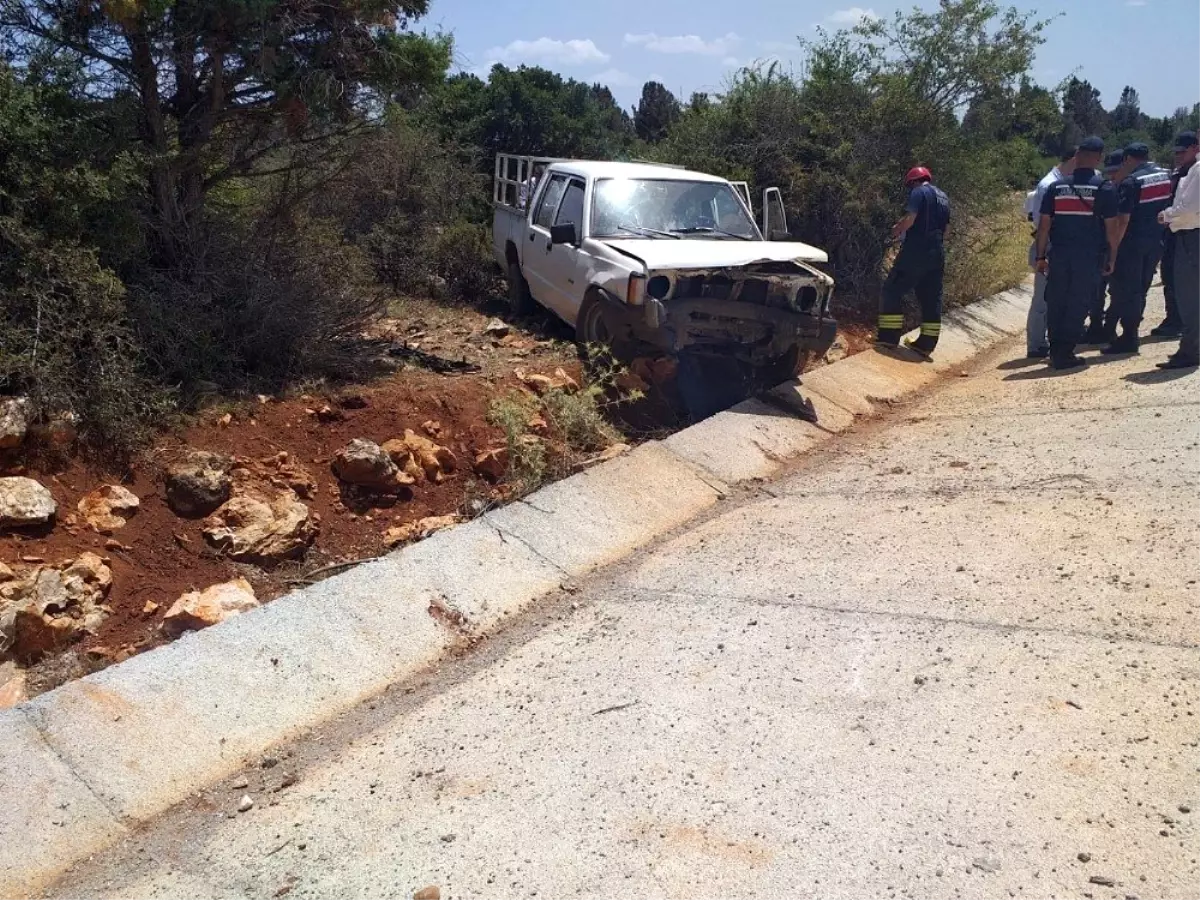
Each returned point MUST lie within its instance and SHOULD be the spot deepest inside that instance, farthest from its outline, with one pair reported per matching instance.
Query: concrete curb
(81, 765)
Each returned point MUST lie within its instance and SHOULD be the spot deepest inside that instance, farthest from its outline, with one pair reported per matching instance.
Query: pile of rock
(259, 528)
(105, 509)
(25, 503)
(365, 464)
(245, 520)
(14, 422)
(199, 483)
(47, 608)
(397, 464)
(200, 609)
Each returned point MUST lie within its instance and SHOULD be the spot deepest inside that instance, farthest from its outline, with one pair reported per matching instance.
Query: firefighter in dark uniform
(1172, 325)
(920, 265)
(1144, 193)
(1102, 327)
(1079, 217)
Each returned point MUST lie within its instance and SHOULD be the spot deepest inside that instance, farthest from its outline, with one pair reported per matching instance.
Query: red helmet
(919, 173)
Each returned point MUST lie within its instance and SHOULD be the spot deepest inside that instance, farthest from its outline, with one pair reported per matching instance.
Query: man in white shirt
(1183, 218)
(1037, 343)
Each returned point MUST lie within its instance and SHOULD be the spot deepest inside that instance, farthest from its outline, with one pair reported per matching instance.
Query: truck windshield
(666, 208)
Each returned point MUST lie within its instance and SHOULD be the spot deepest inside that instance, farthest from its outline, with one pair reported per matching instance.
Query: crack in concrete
(504, 534)
(121, 821)
(981, 625)
(1009, 414)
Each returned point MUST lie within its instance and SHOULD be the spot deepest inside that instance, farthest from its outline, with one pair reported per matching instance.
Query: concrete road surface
(953, 654)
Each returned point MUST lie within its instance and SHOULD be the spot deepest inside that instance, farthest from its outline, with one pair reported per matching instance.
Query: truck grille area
(773, 293)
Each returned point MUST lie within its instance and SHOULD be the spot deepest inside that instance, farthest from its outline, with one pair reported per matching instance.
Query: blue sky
(694, 45)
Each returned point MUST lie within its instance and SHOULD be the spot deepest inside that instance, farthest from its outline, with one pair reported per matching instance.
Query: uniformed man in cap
(1144, 193)
(1079, 217)
(1102, 328)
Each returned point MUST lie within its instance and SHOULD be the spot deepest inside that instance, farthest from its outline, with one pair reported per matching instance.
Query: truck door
(743, 190)
(533, 253)
(564, 268)
(774, 221)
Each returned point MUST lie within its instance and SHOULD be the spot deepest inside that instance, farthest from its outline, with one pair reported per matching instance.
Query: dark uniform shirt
(932, 209)
(1144, 194)
(1079, 205)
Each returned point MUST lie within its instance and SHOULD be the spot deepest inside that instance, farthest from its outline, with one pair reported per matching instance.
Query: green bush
(462, 256)
(66, 342)
(397, 193)
(875, 101)
(276, 301)
(527, 462)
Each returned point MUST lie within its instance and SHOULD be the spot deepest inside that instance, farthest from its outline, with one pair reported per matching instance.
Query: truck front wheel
(784, 368)
(520, 301)
(600, 328)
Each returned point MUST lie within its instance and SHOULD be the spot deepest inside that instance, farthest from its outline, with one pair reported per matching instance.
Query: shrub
(461, 256)
(992, 255)
(262, 304)
(579, 416)
(396, 194)
(66, 342)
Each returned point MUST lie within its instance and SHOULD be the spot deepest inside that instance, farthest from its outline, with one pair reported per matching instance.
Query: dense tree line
(195, 192)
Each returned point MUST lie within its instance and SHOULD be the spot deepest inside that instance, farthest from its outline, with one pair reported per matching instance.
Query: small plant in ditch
(574, 420)
(580, 416)
(527, 462)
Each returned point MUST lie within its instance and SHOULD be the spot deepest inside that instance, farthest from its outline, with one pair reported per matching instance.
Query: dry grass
(995, 256)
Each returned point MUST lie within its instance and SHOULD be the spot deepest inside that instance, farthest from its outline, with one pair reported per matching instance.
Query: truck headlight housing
(635, 293)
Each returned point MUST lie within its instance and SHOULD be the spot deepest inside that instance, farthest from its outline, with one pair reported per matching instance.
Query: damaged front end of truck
(764, 313)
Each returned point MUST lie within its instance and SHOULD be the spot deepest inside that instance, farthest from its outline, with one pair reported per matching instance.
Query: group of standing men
(1095, 231)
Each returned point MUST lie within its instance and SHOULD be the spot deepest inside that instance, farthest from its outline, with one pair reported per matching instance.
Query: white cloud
(848, 18)
(613, 78)
(547, 50)
(685, 43)
(730, 62)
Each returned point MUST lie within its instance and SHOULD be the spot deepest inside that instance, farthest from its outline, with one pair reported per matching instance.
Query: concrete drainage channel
(83, 764)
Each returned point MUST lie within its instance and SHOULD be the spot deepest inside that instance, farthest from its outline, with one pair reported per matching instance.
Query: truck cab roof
(597, 169)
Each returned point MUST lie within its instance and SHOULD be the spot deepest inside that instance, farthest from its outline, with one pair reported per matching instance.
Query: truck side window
(571, 208)
(548, 205)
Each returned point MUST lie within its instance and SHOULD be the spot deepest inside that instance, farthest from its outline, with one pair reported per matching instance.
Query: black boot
(1168, 329)
(1126, 343)
(1067, 362)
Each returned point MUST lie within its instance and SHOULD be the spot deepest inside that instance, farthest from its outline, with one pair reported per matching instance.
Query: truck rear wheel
(520, 301)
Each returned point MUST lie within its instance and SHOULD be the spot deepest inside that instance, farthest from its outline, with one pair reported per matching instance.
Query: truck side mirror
(564, 234)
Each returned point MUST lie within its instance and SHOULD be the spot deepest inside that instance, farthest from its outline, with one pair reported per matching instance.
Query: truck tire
(783, 368)
(520, 301)
(594, 326)
(598, 330)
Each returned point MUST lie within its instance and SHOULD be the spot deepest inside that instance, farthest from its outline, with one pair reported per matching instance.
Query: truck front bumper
(742, 330)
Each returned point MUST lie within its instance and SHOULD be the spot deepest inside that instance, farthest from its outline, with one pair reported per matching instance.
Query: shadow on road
(1158, 376)
(1022, 362)
(1046, 372)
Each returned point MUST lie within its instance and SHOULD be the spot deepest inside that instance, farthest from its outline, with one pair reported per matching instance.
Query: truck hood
(714, 254)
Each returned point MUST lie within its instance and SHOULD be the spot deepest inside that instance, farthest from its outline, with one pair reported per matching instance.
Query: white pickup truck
(638, 256)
